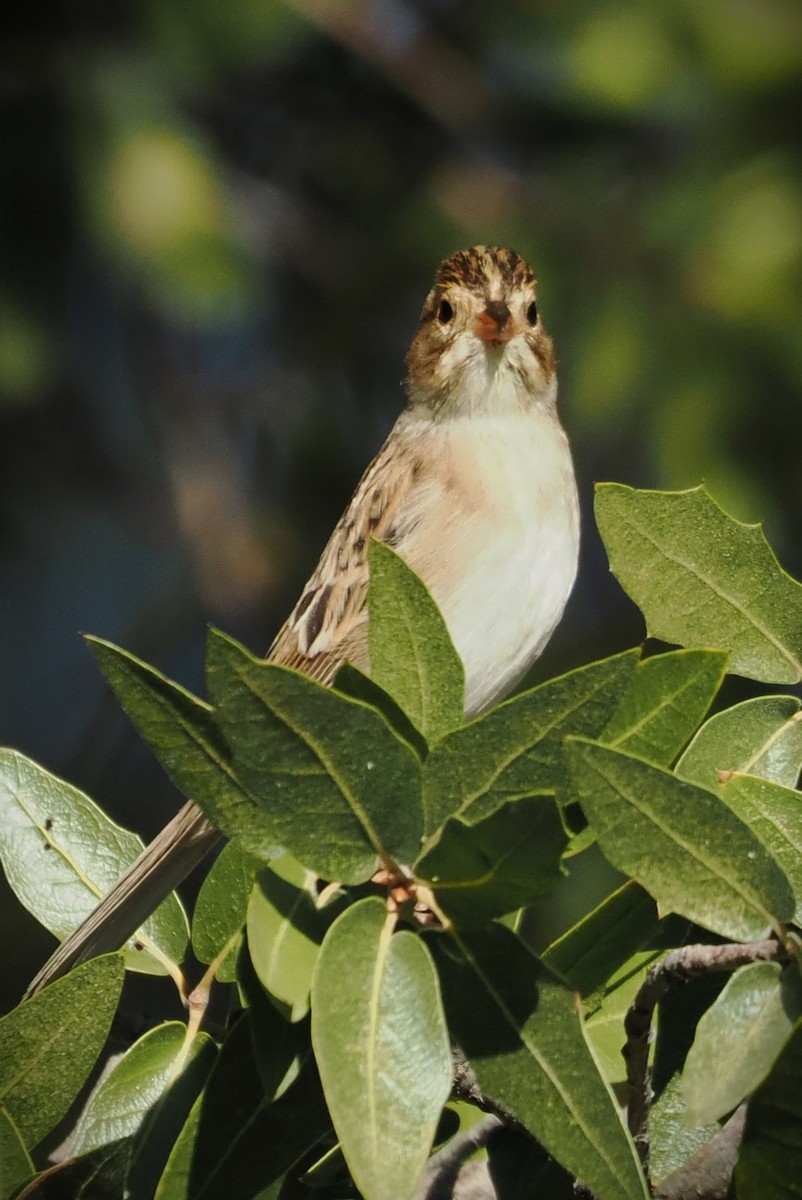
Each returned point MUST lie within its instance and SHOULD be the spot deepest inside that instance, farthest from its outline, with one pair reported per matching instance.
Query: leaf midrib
(727, 598)
(520, 750)
(340, 783)
(672, 836)
(553, 1079)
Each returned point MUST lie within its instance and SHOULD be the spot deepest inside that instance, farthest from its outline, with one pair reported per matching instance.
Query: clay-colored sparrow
(474, 488)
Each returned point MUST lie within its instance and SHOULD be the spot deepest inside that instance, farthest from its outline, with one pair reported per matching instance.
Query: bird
(474, 488)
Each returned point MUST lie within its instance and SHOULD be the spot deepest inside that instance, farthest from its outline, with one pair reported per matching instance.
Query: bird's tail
(161, 866)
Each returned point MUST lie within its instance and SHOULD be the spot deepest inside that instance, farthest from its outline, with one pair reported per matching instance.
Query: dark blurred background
(218, 223)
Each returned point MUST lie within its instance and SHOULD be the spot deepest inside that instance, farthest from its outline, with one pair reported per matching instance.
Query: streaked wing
(329, 623)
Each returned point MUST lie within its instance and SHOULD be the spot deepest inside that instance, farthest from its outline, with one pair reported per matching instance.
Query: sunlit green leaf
(166, 1117)
(762, 736)
(382, 1047)
(355, 683)
(679, 842)
(604, 1028)
(37, 1085)
(61, 854)
(15, 1161)
(703, 579)
(521, 1031)
(280, 1047)
(774, 815)
(221, 908)
(181, 731)
(498, 864)
(667, 698)
(517, 748)
(738, 1039)
(285, 929)
(118, 1105)
(770, 1161)
(411, 654)
(331, 781)
(672, 1141)
(235, 1141)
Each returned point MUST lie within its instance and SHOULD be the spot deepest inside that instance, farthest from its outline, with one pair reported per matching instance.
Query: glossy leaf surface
(680, 842)
(738, 1039)
(331, 780)
(37, 1085)
(411, 654)
(760, 737)
(117, 1107)
(221, 909)
(701, 578)
(517, 748)
(61, 854)
(520, 1029)
(382, 1048)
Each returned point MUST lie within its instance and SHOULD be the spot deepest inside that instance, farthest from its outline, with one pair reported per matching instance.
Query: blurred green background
(218, 224)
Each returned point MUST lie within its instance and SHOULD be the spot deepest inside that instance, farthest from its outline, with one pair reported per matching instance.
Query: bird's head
(480, 345)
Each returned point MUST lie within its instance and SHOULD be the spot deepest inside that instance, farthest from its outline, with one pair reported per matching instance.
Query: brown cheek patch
(544, 352)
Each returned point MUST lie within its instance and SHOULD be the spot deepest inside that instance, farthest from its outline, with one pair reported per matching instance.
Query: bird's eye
(444, 312)
(531, 313)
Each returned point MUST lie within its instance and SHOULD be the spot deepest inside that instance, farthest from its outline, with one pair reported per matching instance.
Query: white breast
(508, 557)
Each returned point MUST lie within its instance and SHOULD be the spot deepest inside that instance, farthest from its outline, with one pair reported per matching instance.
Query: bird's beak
(494, 325)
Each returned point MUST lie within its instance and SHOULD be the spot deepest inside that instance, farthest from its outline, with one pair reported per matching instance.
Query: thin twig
(680, 966)
(443, 1168)
(464, 1086)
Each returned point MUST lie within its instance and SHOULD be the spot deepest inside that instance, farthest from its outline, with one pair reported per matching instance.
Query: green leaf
(521, 1031)
(119, 1104)
(671, 1140)
(99, 1175)
(774, 815)
(604, 1028)
(221, 909)
(61, 854)
(16, 1164)
(761, 737)
(350, 681)
(165, 1120)
(668, 697)
(174, 1183)
(517, 748)
(49, 1044)
(333, 782)
(280, 1047)
(738, 1039)
(497, 865)
(703, 579)
(382, 1048)
(679, 842)
(590, 954)
(770, 1162)
(235, 1142)
(182, 732)
(412, 656)
(606, 957)
(285, 929)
